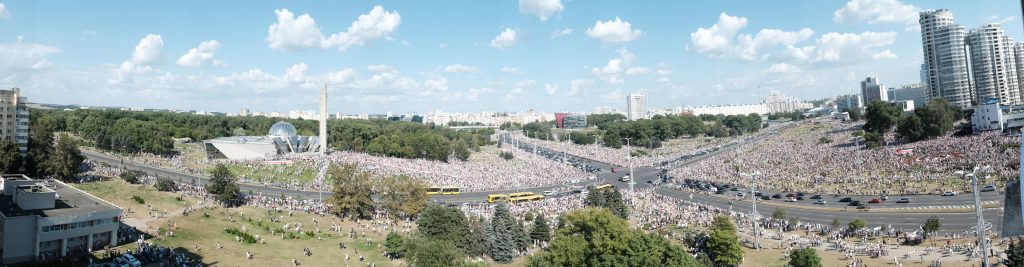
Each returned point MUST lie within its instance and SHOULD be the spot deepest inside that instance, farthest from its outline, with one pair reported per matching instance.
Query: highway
(646, 177)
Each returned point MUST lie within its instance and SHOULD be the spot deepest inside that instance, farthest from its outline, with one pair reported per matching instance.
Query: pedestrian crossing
(983, 204)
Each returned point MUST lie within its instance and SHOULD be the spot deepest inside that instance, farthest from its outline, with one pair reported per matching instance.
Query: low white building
(47, 219)
(991, 116)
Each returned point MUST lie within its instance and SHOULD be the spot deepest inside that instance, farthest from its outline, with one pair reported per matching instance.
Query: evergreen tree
(40, 147)
(931, 226)
(394, 244)
(723, 245)
(1015, 253)
(476, 240)
(503, 237)
(540, 231)
(443, 223)
(223, 185)
(10, 159)
(615, 203)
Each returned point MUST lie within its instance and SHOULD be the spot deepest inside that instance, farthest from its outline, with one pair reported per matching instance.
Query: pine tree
(503, 237)
(540, 231)
(1015, 253)
(10, 156)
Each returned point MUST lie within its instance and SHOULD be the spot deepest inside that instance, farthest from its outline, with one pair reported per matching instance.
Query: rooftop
(243, 140)
(70, 201)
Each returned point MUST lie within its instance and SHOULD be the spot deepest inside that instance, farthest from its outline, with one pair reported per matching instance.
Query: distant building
(848, 102)
(993, 64)
(49, 218)
(282, 139)
(604, 110)
(991, 115)
(779, 103)
(244, 112)
(917, 92)
(636, 106)
(945, 58)
(871, 90)
(574, 122)
(727, 110)
(14, 118)
(559, 118)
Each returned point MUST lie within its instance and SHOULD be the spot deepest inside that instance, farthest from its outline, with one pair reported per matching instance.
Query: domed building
(282, 139)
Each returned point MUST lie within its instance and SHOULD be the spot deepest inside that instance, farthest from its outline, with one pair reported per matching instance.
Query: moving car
(765, 197)
(625, 178)
(777, 196)
(790, 199)
(875, 201)
(949, 193)
(862, 206)
(740, 194)
(884, 198)
(903, 200)
(549, 193)
(989, 188)
(854, 203)
(846, 199)
(821, 202)
(816, 197)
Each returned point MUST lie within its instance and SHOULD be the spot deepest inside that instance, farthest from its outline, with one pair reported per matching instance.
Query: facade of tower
(323, 121)
(945, 58)
(636, 106)
(871, 90)
(1018, 54)
(14, 118)
(993, 65)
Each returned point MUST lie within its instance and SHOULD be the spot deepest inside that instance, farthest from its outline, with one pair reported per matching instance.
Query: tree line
(935, 119)
(153, 132)
(46, 157)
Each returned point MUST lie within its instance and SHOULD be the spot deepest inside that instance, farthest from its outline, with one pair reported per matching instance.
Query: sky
(461, 55)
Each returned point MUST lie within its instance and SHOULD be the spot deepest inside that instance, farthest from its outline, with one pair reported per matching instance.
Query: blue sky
(416, 56)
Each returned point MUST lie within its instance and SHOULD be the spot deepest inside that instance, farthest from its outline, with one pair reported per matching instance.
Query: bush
(505, 155)
(132, 177)
(245, 237)
(804, 257)
(165, 184)
(138, 199)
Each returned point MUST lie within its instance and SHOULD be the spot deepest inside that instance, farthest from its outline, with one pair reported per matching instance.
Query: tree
(476, 240)
(804, 257)
(931, 226)
(430, 252)
(873, 139)
(66, 159)
(540, 231)
(443, 223)
(723, 245)
(10, 156)
(402, 196)
(395, 245)
(881, 117)
(779, 214)
(130, 176)
(911, 127)
(835, 222)
(503, 235)
(615, 204)
(1015, 253)
(165, 184)
(222, 184)
(855, 114)
(40, 147)
(857, 224)
(350, 197)
(596, 237)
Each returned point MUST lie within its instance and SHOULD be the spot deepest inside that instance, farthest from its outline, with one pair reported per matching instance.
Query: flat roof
(243, 140)
(70, 201)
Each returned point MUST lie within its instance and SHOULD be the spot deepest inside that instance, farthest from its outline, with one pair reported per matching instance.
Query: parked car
(777, 196)
(903, 200)
(549, 193)
(790, 195)
(801, 198)
(846, 199)
(800, 194)
(121, 262)
(765, 197)
(875, 201)
(790, 199)
(740, 194)
(949, 193)
(131, 260)
(884, 198)
(821, 202)
(862, 206)
(816, 197)
(989, 188)
(854, 203)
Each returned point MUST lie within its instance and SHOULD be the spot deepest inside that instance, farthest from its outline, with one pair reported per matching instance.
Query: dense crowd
(645, 156)
(822, 156)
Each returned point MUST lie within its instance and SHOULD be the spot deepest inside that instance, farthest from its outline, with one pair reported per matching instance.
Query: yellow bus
(433, 191)
(450, 191)
(526, 198)
(520, 194)
(603, 187)
(496, 197)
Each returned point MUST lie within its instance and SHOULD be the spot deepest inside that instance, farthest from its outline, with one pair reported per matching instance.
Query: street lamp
(629, 155)
(753, 211)
(981, 226)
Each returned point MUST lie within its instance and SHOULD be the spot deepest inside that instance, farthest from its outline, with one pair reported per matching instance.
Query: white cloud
(1000, 20)
(614, 96)
(718, 37)
(722, 40)
(4, 14)
(887, 54)
(25, 56)
(782, 68)
(201, 55)
(560, 33)
(341, 76)
(149, 51)
(439, 84)
(543, 9)
(613, 31)
(459, 68)
(878, 11)
(525, 83)
(511, 70)
(611, 73)
(380, 68)
(374, 25)
(296, 73)
(832, 47)
(550, 89)
(579, 87)
(296, 33)
(507, 38)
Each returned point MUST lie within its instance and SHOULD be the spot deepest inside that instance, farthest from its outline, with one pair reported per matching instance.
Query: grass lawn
(120, 193)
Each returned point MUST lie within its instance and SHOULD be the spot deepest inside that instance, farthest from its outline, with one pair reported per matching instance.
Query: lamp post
(981, 226)
(753, 211)
(629, 155)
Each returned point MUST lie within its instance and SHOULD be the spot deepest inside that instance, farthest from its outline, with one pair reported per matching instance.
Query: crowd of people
(645, 156)
(822, 156)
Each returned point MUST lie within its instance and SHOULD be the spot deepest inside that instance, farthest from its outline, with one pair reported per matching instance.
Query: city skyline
(412, 57)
